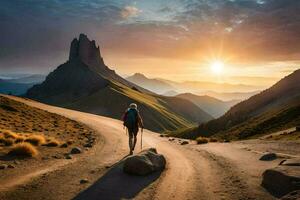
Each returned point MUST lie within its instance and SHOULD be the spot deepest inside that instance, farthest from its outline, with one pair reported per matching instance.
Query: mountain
(153, 85)
(7, 87)
(170, 93)
(230, 96)
(273, 109)
(197, 87)
(224, 91)
(32, 78)
(19, 85)
(213, 106)
(85, 83)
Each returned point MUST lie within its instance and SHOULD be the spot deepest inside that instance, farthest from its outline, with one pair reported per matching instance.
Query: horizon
(140, 37)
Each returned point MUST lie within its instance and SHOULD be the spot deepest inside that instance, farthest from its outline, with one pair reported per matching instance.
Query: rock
(64, 145)
(291, 162)
(171, 139)
(268, 157)
(10, 166)
(295, 195)
(298, 128)
(281, 180)
(3, 166)
(88, 145)
(68, 156)
(184, 143)
(76, 150)
(146, 162)
(83, 181)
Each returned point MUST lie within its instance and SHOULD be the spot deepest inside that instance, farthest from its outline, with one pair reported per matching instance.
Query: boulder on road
(268, 157)
(281, 180)
(146, 162)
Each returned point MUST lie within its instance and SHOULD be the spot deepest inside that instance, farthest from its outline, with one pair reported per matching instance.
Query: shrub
(6, 141)
(202, 140)
(36, 140)
(20, 139)
(51, 142)
(10, 134)
(213, 140)
(23, 150)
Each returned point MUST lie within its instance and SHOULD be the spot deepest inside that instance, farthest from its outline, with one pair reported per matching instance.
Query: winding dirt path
(213, 171)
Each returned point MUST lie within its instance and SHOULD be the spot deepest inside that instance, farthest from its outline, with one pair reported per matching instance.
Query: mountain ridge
(85, 83)
(258, 114)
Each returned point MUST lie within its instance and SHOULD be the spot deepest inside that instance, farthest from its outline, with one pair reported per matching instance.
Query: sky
(256, 41)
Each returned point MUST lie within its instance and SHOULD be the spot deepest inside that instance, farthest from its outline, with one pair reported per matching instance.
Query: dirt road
(212, 171)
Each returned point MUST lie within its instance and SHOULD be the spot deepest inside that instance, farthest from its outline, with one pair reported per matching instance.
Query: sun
(217, 67)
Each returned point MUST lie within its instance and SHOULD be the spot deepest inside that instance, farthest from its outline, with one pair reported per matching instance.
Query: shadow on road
(116, 185)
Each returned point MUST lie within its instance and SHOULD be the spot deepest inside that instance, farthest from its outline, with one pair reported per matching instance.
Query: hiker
(132, 121)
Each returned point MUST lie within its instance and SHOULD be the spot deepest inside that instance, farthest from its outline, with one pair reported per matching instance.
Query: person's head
(133, 106)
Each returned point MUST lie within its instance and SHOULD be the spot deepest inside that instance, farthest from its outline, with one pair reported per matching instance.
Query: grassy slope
(282, 117)
(269, 110)
(156, 111)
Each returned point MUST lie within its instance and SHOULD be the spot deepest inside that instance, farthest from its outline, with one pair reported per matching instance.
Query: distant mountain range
(154, 85)
(222, 91)
(19, 84)
(213, 106)
(273, 109)
(85, 83)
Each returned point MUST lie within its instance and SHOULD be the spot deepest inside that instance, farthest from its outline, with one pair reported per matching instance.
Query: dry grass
(21, 124)
(9, 134)
(36, 140)
(21, 138)
(52, 142)
(23, 149)
(202, 140)
(6, 141)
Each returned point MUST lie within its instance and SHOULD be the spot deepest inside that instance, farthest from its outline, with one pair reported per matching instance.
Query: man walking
(132, 121)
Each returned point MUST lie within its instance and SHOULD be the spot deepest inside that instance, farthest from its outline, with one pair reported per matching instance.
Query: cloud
(130, 11)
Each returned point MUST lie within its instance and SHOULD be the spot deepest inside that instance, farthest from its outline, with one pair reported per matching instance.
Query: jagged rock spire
(86, 51)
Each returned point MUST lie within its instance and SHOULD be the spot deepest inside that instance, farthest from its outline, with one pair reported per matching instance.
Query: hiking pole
(142, 138)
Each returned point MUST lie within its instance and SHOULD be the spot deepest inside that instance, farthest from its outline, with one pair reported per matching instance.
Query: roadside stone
(281, 180)
(83, 181)
(76, 150)
(3, 166)
(11, 166)
(268, 157)
(68, 156)
(64, 145)
(88, 145)
(146, 162)
(184, 143)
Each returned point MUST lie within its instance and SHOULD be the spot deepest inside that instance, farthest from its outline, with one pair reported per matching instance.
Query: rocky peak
(86, 51)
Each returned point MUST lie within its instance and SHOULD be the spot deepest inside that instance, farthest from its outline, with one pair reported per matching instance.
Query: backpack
(130, 119)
